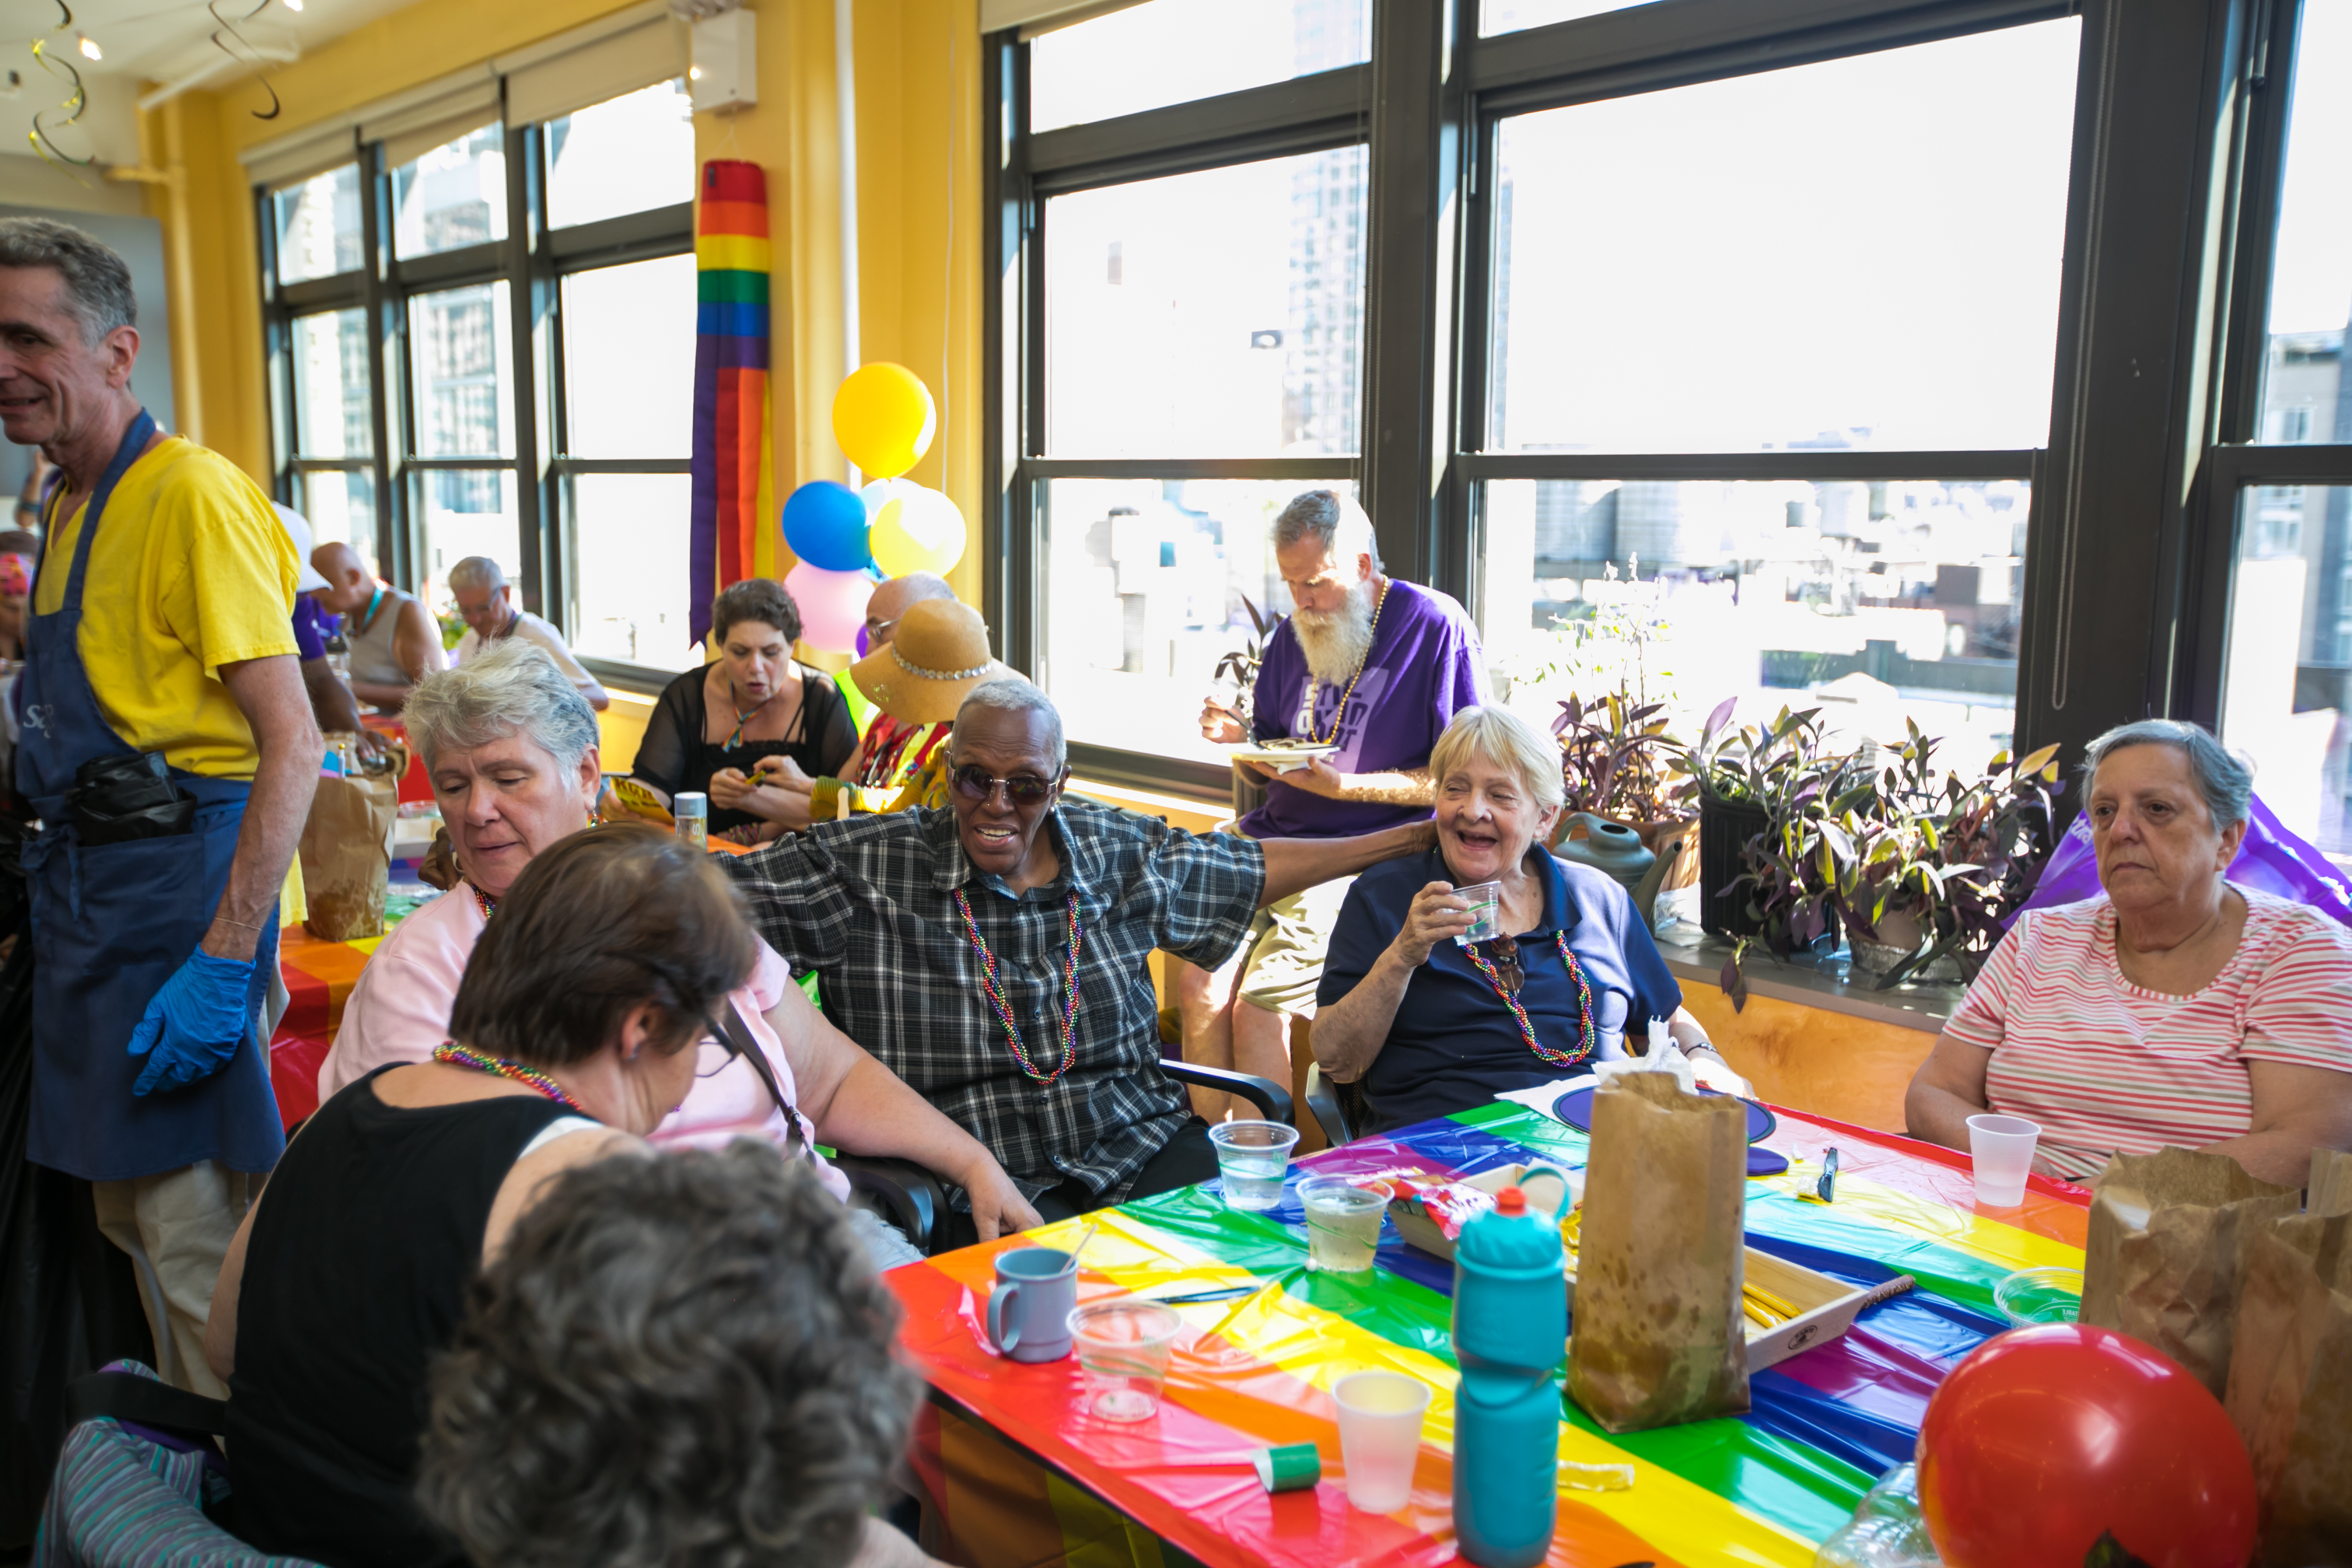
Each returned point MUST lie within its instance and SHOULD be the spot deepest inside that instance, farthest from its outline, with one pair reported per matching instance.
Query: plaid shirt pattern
(869, 905)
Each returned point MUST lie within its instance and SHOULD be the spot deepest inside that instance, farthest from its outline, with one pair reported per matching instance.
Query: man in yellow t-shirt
(168, 748)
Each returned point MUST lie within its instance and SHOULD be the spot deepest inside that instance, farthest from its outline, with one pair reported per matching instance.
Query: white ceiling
(145, 43)
(163, 40)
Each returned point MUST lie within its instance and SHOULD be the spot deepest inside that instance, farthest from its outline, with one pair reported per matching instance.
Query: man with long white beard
(1375, 666)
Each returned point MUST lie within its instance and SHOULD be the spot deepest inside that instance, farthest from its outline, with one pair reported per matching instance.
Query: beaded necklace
(1527, 1029)
(483, 901)
(745, 715)
(1005, 1009)
(458, 1055)
(1341, 711)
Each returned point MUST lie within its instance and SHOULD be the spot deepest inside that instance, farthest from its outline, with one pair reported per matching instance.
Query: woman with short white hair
(1430, 1025)
(2173, 1008)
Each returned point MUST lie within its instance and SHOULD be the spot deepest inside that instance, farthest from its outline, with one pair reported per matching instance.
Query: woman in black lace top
(751, 728)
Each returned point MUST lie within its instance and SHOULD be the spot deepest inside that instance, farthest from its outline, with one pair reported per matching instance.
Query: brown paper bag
(346, 867)
(1658, 1336)
(2289, 1389)
(2167, 1233)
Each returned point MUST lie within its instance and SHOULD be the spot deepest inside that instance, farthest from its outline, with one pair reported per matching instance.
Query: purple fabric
(310, 641)
(1424, 667)
(2271, 860)
(702, 505)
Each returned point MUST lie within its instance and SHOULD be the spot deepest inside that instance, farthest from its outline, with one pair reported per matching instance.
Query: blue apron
(111, 924)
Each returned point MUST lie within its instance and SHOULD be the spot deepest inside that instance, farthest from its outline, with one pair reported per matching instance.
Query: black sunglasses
(976, 783)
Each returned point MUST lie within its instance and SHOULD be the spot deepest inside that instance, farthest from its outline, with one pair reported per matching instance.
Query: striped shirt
(2107, 1067)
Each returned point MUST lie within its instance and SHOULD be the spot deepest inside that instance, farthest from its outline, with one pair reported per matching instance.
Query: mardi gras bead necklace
(483, 901)
(988, 982)
(1527, 1029)
(456, 1054)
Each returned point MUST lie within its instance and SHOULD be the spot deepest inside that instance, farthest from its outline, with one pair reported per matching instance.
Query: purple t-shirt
(310, 639)
(1424, 667)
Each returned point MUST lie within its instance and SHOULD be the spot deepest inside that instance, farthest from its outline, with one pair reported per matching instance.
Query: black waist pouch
(117, 799)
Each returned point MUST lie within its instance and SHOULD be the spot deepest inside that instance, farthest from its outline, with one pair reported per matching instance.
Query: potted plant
(1740, 780)
(1915, 870)
(1938, 865)
(1615, 761)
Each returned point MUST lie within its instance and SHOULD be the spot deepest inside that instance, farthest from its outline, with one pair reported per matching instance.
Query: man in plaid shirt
(993, 954)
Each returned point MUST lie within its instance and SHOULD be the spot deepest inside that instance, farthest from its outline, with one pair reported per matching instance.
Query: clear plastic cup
(1123, 1348)
(2000, 1148)
(1343, 1223)
(1485, 900)
(1252, 1159)
(1380, 1437)
(2044, 1295)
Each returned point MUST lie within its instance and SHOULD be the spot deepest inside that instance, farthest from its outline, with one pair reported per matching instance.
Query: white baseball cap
(297, 529)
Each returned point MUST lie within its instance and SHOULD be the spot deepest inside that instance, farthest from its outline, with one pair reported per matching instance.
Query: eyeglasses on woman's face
(977, 784)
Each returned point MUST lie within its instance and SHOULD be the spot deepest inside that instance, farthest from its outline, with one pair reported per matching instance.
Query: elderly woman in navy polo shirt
(1430, 1026)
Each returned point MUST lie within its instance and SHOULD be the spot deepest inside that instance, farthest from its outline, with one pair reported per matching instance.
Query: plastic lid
(1513, 1238)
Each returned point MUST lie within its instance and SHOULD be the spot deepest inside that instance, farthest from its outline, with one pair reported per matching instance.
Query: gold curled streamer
(229, 26)
(49, 152)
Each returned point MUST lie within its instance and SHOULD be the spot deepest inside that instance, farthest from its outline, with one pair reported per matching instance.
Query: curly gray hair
(679, 1358)
(508, 688)
(1010, 694)
(2227, 783)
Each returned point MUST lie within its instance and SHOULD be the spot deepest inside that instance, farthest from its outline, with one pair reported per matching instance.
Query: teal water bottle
(1510, 1333)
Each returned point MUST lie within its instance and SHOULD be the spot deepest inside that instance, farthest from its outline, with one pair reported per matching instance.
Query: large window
(1859, 257)
(1198, 359)
(441, 391)
(1763, 359)
(2282, 501)
(628, 405)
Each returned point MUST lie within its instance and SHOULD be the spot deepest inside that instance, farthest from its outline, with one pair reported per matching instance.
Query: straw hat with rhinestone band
(938, 654)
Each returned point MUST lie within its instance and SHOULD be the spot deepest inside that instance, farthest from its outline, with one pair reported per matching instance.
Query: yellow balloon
(883, 419)
(917, 530)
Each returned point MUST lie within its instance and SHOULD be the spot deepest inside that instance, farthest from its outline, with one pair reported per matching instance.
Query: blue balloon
(824, 524)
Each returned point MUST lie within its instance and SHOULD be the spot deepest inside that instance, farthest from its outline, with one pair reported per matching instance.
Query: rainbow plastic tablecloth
(1020, 1475)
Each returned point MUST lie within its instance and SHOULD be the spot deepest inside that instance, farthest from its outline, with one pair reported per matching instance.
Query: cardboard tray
(1826, 1307)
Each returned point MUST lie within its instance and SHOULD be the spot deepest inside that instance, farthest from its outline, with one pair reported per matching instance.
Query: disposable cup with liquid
(1380, 1437)
(1343, 1223)
(1485, 901)
(1253, 1157)
(1123, 1349)
(2001, 1148)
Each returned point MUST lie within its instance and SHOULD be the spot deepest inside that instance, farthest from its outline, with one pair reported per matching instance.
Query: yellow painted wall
(918, 204)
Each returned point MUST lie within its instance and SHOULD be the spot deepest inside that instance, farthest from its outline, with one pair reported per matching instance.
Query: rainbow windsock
(731, 381)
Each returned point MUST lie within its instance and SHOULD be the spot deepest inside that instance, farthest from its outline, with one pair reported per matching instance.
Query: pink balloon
(832, 603)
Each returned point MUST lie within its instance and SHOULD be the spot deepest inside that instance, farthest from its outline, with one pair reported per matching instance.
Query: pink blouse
(399, 1010)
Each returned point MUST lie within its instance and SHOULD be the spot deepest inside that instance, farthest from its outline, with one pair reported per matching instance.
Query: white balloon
(879, 493)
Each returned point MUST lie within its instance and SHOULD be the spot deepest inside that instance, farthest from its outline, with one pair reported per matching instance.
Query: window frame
(1430, 104)
(2236, 458)
(533, 260)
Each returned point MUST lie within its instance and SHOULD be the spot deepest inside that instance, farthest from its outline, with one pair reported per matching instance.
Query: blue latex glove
(192, 1027)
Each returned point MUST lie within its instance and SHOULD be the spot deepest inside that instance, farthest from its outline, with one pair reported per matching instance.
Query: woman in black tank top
(578, 1012)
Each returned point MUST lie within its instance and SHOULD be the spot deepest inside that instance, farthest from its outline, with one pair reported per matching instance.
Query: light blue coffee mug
(1029, 1310)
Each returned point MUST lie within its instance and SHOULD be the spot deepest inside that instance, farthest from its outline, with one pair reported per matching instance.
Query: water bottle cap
(1511, 1201)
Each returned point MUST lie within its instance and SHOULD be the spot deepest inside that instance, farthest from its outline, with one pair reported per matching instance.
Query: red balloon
(2048, 1437)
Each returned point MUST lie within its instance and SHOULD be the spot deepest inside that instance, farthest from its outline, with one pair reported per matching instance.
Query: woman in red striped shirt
(2176, 1008)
